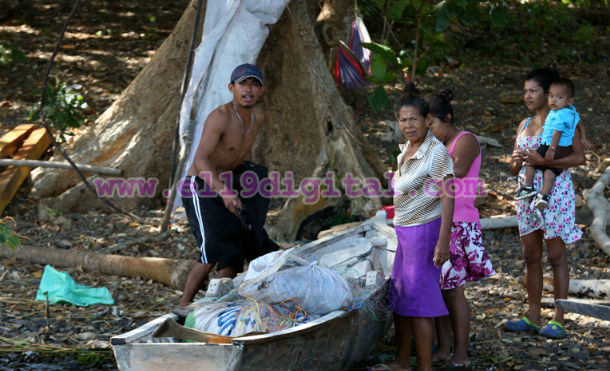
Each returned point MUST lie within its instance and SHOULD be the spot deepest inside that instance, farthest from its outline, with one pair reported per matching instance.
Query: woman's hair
(410, 98)
(440, 105)
(544, 76)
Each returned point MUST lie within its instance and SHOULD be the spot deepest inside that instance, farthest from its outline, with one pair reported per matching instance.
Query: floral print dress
(558, 219)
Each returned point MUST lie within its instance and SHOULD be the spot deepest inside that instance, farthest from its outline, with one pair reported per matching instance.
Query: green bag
(61, 288)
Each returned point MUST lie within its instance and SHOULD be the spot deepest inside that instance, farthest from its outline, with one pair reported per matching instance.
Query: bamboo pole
(171, 272)
(61, 165)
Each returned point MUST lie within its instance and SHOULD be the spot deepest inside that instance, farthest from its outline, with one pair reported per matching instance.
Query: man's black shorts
(221, 236)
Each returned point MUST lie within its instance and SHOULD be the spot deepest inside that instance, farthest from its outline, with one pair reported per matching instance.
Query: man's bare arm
(213, 130)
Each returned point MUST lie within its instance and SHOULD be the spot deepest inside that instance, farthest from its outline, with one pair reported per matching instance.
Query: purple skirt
(416, 290)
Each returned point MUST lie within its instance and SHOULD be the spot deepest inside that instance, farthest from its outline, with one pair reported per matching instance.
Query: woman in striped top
(423, 215)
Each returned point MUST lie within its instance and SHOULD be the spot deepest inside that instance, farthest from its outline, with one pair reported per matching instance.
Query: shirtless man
(228, 229)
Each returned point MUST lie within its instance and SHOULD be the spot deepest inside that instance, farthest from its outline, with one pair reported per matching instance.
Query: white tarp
(233, 33)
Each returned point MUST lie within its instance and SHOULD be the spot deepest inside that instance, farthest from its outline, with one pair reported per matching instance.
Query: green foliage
(63, 108)
(542, 31)
(429, 20)
(412, 35)
(92, 358)
(56, 211)
(7, 237)
(10, 55)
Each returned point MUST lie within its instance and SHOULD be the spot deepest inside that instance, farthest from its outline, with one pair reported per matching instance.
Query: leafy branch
(63, 107)
(8, 238)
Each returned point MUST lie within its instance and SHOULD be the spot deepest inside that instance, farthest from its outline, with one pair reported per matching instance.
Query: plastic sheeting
(61, 288)
(233, 33)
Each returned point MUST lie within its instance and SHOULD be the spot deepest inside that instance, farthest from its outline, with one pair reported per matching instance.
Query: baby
(556, 140)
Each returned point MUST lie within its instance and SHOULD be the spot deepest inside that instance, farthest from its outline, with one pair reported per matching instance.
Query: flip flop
(522, 325)
(554, 330)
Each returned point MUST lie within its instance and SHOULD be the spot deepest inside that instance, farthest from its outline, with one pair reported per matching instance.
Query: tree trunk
(171, 272)
(310, 131)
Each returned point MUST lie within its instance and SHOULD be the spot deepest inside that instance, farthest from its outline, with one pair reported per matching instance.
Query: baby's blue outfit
(564, 120)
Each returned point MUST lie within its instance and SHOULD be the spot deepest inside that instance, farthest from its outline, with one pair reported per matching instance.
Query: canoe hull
(332, 342)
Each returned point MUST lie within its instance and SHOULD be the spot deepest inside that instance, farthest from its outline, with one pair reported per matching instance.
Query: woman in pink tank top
(468, 259)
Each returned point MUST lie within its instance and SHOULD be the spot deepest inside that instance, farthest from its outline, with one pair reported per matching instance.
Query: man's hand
(585, 143)
(550, 154)
(232, 202)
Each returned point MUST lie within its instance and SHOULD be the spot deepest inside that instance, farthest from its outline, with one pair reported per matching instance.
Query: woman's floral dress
(557, 220)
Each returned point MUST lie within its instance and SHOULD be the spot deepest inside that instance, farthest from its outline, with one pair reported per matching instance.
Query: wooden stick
(61, 165)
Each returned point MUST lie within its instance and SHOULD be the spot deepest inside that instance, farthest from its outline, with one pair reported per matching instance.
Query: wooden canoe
(332, 342)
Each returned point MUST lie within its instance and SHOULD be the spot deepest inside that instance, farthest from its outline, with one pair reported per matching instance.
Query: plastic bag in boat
(318, 289)
(228, 319)
(242, 316)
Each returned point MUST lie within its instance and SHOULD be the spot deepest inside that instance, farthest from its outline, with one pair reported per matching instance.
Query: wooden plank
(141, 333)
(11, 140)
(171, 328)
(12, 178)
(586, 309)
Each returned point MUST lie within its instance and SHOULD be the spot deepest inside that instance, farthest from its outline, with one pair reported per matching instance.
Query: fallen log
(590, 288)
(489, 141)
(600, 207)
(171, 272)
(509, 221)
(498, 222)
(61, 165)
(586, 309)
(597, 289)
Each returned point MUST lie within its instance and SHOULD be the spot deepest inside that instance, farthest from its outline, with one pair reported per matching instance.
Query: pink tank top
(466, 188)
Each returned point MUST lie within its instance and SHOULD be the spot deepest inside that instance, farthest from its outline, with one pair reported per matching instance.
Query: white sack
(319, 290)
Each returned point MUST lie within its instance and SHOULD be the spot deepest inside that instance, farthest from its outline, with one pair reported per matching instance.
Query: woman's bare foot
(440, 357)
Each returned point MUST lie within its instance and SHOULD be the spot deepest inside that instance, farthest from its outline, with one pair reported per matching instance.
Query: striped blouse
(416, 198)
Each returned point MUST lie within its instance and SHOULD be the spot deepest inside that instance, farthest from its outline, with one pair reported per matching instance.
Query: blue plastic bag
(61, 288)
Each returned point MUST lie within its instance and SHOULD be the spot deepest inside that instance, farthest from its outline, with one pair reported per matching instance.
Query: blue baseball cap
(243, 71)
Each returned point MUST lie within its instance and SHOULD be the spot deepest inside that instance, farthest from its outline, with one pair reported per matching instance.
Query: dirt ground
(109, 43)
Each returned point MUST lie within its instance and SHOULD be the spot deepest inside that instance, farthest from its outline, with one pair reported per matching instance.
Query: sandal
(522, 325)
(381, 367)
(458, 366)
(554, 330)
